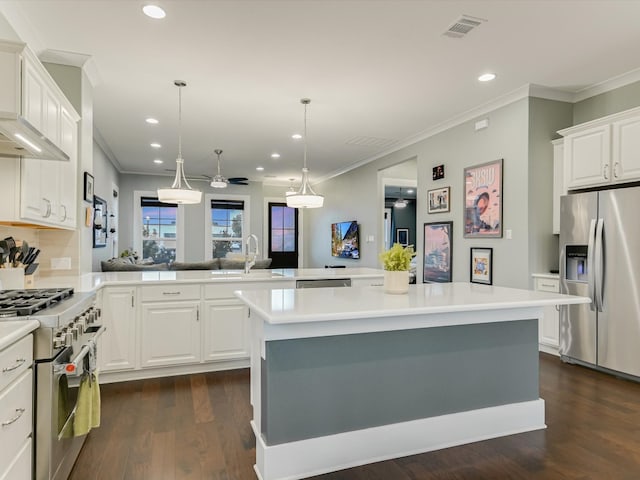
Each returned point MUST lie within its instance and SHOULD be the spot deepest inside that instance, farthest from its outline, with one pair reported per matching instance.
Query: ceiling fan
(218, 181)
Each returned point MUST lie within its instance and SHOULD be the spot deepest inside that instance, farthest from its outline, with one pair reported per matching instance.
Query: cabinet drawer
(15, 359)
(170, 292)
(548, 285)
(15, 416)
(20, 468)
(213, 291)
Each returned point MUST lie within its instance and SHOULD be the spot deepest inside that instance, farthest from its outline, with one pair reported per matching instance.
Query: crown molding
(608, 85)
(97, 137)
(73, 59)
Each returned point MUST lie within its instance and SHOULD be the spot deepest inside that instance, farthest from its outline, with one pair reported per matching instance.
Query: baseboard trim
(316, 456)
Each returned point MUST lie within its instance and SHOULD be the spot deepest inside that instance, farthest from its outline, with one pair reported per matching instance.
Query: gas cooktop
(27, 302)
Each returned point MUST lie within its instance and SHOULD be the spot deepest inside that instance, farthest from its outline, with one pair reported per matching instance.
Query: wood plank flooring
(197, 427)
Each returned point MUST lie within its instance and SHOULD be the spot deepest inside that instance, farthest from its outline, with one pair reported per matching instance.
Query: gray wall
(105, 177)
(546, 117)
(405, 218)
(614, 101)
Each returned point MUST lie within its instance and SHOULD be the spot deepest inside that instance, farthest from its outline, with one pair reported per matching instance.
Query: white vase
(396, 282)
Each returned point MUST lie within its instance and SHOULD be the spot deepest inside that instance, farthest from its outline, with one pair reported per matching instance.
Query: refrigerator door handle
(590, 264)
(599, 264)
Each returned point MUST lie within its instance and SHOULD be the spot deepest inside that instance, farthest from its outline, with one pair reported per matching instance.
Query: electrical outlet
(509, 234)
(61, 263)
(370, 239)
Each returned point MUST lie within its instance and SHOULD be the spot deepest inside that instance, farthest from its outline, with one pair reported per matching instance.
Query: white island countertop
(325, 304)
(13, 330)
(93, 281)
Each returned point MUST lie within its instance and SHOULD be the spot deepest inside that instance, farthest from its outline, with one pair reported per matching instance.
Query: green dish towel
(88, 405)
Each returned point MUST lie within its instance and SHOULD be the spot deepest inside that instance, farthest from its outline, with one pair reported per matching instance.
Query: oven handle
(74, 368)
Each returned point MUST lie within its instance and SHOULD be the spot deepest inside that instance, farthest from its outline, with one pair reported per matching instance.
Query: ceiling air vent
(370, 142)
(462, 26)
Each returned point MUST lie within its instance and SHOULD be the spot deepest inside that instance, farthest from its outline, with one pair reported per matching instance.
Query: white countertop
(288, 306)
(13, 330)
(93, 281)
(553, 276)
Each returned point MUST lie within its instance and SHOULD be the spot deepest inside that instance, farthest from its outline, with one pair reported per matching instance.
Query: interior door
(283, 236)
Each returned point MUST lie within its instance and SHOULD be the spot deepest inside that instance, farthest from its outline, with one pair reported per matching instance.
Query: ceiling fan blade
(236, 182)
(237, 179)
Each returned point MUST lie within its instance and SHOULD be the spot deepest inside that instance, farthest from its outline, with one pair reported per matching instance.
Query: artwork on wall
(88, 187)
(402, 236)
(438, 200)
(438, 251)
(438, 172)
(483, 200)
(99, 222)
(481, 265)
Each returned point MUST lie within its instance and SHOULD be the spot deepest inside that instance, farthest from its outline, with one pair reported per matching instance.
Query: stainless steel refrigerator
(600, 258)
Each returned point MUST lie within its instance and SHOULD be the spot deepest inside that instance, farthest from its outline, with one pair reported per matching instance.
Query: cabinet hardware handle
(605, 171)
(48, 211)
(550, 285)
(65, 212)
(197, 314)
(19, 362)
(557, 307)
(132, 300)
(171, 293)
(615, 169)
(19, 412)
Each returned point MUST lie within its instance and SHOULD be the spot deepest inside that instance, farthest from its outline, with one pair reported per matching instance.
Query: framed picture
(438, 200)
(483, 200)
(99, 222)
(402, 236)
(481, 265)
(438, 251)
(438, 172)
(88, 187)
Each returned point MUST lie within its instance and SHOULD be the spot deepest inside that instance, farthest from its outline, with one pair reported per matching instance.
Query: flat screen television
(345, 240)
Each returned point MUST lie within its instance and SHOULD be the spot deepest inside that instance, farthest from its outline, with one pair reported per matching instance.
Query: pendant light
(291, 190)
(305, 197)
(180, 192)
(400, 202)
(219, 181)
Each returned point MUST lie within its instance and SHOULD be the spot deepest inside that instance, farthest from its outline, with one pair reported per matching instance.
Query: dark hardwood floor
(197, 427)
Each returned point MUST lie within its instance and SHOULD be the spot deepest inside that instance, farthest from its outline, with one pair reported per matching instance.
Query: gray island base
(335, 384)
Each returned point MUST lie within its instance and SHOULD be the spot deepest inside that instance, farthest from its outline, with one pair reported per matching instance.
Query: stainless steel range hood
(18, 138)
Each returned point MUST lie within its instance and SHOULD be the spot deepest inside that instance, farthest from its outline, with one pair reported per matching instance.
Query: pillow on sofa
(208, 265)
(226, 264)
(111, 266)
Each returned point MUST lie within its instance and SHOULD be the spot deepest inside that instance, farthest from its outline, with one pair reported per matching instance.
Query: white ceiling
(379, 69)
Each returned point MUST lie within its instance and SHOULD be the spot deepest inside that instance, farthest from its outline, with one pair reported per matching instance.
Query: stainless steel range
(64, 351)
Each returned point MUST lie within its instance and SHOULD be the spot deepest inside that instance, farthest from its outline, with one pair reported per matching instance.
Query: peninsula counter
(343, 377)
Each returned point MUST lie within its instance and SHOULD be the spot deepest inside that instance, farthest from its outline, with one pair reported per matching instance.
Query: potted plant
(397, 262)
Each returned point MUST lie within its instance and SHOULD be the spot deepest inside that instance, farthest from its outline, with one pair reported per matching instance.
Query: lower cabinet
(117, 347)
(549, 327)
(169, 333)
(225, 329)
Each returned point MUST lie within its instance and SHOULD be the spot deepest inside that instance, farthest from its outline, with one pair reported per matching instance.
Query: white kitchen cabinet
(549, 327)
(225, 330)
(16, 410)
(169, 333)
(117, 348)
(602, 152)
(559, 186)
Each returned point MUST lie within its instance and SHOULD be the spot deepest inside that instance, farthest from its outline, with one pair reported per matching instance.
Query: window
(283, 235)
(159, 232)
(227, 227)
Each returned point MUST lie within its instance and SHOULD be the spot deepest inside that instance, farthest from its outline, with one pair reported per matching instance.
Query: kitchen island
(343, 377)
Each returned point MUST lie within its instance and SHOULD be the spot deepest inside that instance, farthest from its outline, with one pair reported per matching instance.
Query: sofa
(131, 264)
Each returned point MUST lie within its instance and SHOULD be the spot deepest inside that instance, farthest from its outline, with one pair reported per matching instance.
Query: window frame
(246, 218)
(138, 223)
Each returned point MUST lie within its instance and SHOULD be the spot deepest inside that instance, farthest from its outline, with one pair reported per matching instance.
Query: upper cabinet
(34, 189)
(602, 152)
(559, 185)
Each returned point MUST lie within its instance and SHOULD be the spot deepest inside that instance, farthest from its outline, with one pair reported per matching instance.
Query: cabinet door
(32, 95)
(587, 156)
(226, 333)
(117, 348)
(549, 327)
(67, 207)
(33, 205)
(170, 333)
(559, 187)
(51, 116)
(626, 150)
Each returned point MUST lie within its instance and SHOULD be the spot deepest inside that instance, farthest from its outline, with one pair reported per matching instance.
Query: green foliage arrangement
(397, 258)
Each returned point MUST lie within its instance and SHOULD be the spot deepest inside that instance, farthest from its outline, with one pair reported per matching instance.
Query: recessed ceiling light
(486, 77)
(155, 145)
(275, 155)
(296, 136)
(154, 11)
(152, 121)
(158, 161)
(260, 169)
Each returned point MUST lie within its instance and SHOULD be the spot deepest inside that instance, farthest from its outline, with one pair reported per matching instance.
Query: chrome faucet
(249, 256)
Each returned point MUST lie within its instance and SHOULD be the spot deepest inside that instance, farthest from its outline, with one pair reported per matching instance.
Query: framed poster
(481, 265)
(483, 200)
(88, 187)
(438, 251)
(99, 222)
(438, 200)
(402, 236)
